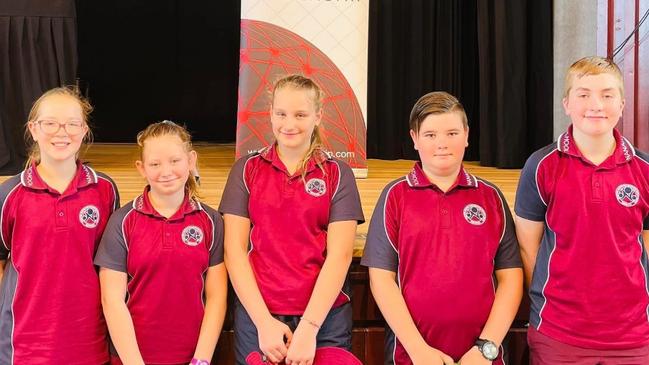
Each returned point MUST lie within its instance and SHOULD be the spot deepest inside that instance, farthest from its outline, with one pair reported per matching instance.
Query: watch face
(490, 350)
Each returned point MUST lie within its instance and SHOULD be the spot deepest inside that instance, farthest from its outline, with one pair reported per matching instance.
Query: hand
(427, 355)
(301, 350)
(474, 357)
(271, 339)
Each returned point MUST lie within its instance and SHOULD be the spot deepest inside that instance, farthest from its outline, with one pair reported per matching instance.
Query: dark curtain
(415, 47)
(148, 60)
(515, 53)
(494, 55)
(37, 52)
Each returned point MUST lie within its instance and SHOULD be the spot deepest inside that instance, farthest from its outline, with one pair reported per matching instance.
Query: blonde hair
(169, 128)
(34, 153)
(435, 103)
(299, 82)
(592, 66)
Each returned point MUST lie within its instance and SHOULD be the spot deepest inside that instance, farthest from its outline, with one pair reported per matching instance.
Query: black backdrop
(148, 60)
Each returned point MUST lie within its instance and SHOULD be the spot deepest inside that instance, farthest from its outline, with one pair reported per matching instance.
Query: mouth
(60, 144)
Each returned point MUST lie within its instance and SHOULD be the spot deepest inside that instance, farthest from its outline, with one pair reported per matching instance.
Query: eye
(280, 114)
(429, 135)
(582, 96)
(154, 164)
(453, 133)
(75, 124)
(175, 160)
(301, 115)
(49, 123)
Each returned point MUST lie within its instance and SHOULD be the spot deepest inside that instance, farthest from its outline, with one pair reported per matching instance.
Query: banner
(325, 40)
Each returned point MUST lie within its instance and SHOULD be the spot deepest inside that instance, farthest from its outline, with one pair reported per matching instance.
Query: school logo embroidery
(627, 195)
(316, 187)
(474, 214)
(89, 216)
(192, 236)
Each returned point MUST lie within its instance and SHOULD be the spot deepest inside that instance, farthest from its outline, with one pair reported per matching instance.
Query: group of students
(446, 262)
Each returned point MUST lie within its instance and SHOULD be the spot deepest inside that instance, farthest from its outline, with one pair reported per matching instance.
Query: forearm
(327, 288)
(395, 311)
(529, 234)
(3, 264)
(508, 297)
(210, 327)
(122, 332)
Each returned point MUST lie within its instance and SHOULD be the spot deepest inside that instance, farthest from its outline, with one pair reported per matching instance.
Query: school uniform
(288, 237)
(590, 283)
(444, 248)
(166, 260)
(50, 302)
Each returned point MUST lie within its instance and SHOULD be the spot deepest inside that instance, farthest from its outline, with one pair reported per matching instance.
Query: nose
(596, 103)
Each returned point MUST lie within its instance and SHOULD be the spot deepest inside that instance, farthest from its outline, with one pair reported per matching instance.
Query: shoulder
(8, 186)
(541, 155)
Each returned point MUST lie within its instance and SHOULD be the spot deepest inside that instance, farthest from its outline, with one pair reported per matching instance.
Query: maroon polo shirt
(289, 218)
(444, 248)
(50, 303)
(166, 261)
(590, 283)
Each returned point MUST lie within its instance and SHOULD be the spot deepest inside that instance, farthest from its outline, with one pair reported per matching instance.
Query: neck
(167, 205)
(595, 148)
(291, 157)
(57, 174)
(443, 179)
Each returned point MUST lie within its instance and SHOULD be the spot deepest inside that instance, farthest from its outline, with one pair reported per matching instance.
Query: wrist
(309, 323)
(196, 361)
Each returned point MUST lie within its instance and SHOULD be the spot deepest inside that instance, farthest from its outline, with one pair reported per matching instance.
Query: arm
(216, 289)
(529, 234)
(645, 240)
(340, 245)
(271, 331)
(118, 318)
(503, 311)
(393, 307)
(3, 264)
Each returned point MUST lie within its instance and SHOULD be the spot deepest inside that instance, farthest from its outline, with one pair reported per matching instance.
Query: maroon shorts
(546, 351)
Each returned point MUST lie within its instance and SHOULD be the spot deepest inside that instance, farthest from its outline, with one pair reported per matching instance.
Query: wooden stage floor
(117, 160)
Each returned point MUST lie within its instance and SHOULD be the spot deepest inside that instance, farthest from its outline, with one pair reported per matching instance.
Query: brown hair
(434, 103)
(300, 82)
(592, 66)
(169, 128)
(34, 153)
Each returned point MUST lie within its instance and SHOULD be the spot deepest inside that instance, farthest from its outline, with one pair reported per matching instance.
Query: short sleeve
(346, 202)
(236, 194)
(529, 204)
(114, 193)
(380, 251)
(508, 254)
(6, 220)
(112, 252)
(645, 224)
(216, 249)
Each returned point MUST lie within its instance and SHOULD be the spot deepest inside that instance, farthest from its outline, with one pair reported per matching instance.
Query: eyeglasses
(52, 127)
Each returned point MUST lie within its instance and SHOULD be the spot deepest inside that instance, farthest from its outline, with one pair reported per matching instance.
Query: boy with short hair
(582, 221)
(438, 238)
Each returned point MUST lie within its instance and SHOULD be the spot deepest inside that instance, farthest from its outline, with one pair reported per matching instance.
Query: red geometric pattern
(269, 52)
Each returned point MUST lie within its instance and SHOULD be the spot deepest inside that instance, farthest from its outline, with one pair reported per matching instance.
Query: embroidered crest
(89, 216)
(192, 236)
(627, 195)
(316, 187)
(474, 214)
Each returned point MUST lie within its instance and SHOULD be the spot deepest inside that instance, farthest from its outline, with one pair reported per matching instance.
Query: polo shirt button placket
(61, 219)
(597, 187)
(444, 213)
(166, 239)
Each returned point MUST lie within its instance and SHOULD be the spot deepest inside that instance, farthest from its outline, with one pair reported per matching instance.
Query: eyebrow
(587, 89)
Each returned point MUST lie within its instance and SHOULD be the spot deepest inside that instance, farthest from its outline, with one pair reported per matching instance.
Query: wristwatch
(196, 361)
(487, 348)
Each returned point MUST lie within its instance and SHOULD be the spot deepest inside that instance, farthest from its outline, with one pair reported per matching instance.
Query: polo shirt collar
(417, 178)
(623, 152)
(84, 176)
(271, 155)
(143, 205)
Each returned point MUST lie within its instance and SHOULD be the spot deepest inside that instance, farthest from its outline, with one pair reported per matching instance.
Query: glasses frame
(60, 125)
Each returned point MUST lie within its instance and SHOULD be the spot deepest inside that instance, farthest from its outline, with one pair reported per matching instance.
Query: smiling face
(441, 141)
(594, 104)
(62, 145)
(293, 116)
(166, 164)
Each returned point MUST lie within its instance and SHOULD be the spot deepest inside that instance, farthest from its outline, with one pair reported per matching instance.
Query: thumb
(288, 334)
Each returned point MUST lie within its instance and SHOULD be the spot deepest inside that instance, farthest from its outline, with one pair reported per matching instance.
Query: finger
(448, 360)
(274, 356)
(288, 334)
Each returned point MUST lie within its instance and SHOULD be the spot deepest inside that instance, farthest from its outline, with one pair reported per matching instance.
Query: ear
(32, 126)
(413, 135)
(193, 157)
(466, 143)
(140, 168)
(318, 117)
(564, 101)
